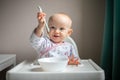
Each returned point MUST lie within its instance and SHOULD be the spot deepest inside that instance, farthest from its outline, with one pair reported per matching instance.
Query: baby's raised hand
(73, 61)
(40, 17)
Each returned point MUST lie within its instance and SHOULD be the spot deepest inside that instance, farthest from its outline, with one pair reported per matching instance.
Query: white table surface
(7, 60)
(87, 71)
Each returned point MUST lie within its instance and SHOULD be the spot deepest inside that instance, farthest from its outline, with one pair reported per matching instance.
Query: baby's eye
(62, 28)
(52, 27)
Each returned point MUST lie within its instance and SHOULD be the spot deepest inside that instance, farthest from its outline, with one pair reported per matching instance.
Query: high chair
(89, 71)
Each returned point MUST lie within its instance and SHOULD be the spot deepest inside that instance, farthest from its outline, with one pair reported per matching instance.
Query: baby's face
(59, 29)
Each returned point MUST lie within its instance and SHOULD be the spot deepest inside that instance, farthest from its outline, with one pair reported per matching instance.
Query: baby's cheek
(49, 34)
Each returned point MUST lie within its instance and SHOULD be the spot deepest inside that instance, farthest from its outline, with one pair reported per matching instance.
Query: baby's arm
(35, 38)
(41, 23)
(73, 57)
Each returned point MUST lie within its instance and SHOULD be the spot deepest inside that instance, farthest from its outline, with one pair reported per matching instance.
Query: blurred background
(18, 20)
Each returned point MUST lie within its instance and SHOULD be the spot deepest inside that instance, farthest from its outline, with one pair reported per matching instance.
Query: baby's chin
(56, 42)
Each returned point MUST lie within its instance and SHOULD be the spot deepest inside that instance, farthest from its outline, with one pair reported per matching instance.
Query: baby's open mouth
(56, 36)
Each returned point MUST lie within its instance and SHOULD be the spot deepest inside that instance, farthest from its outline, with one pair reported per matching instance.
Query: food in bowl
(53, 63)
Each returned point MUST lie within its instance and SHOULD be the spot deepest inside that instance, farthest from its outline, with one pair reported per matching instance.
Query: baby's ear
(70, 32)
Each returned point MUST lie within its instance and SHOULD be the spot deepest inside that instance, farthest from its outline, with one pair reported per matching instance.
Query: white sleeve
(36, 41)
(74, 52)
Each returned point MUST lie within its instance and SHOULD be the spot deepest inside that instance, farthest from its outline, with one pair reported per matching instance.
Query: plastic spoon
(40, 10)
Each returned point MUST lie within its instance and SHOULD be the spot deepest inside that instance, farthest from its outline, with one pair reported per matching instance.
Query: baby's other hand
(72, 60)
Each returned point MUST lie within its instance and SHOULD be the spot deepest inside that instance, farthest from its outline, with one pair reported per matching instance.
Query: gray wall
(18, 19)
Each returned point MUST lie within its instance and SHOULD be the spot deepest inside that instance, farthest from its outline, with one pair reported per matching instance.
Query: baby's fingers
(40, 15)
(77, 61)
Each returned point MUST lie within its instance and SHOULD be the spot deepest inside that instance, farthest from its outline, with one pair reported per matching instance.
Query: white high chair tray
(88, 70)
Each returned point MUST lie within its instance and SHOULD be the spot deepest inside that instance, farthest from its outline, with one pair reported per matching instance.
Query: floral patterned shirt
(46, 48)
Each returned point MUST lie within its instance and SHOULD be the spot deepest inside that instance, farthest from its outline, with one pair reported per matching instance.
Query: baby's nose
(57, 30)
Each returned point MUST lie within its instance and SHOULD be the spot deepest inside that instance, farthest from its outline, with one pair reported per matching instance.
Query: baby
(54, 45)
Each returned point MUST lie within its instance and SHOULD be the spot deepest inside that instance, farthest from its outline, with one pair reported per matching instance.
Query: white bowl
(53, 63)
